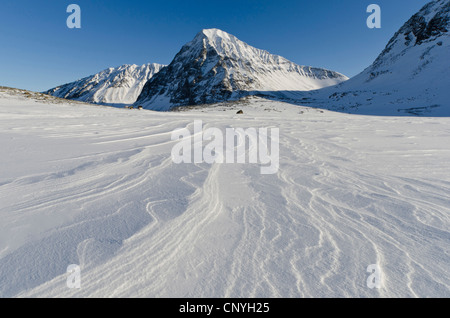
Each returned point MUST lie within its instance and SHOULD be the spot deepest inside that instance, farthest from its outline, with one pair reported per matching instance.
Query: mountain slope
(216, 66)
(121, 85)
(411, 76)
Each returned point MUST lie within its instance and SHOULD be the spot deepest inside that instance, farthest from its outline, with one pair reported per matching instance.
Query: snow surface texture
(121, 85)
(216, 66)
(410, 77)
(96, 186)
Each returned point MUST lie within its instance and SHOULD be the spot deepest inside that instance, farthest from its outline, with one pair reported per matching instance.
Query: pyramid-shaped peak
(216, 66)
(216, 33)
(216, 37)
(225, 44)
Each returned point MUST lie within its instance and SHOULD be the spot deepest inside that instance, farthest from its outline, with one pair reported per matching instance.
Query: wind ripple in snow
(351, 192)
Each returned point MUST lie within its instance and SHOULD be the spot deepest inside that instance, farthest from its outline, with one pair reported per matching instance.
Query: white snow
(96, 186)
(273, 72)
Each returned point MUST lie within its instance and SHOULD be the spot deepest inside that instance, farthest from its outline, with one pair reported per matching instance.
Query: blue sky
(38, 51)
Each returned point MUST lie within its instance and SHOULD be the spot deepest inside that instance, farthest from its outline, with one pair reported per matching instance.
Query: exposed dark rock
(424, 26)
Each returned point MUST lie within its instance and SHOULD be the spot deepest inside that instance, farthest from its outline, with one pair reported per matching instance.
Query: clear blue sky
(38, 51)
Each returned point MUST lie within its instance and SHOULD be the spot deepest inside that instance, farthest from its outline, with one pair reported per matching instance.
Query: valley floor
(96, 186)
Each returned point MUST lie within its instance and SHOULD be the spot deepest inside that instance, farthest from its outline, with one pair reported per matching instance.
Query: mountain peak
(216, 66)
(222, 42)
(215, 33)
(217, 38)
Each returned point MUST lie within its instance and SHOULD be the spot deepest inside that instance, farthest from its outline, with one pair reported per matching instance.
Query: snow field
(96, 186)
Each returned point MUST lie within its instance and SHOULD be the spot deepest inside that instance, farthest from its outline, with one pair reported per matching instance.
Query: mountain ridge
(119, 85)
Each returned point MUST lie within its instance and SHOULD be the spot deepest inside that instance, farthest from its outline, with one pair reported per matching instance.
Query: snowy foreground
(96, 186)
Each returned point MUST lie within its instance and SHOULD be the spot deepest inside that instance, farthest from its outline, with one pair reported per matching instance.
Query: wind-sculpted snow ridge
(216, 66)
(121, 85)
(410, 77)
(97, 187)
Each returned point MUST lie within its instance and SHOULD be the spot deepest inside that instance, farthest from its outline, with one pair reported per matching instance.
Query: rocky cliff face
(422, 30)
(216, 66)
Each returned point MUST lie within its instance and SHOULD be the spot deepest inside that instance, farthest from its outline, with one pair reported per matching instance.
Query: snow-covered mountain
(121, 85)
(216, 66)
(411, 76)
